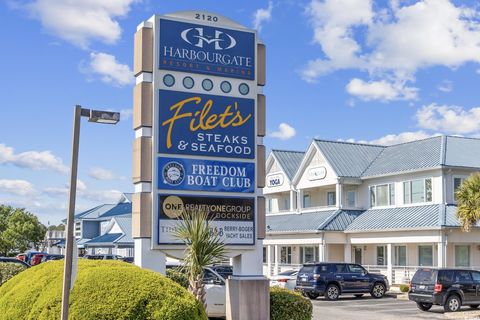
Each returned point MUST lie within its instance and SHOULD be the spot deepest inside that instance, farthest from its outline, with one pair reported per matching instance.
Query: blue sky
(379, 72)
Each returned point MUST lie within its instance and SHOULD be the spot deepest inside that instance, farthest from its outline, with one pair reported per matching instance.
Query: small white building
(391, 209)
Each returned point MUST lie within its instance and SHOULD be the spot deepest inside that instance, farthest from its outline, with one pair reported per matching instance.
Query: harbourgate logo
(188, 47)
(219, 38)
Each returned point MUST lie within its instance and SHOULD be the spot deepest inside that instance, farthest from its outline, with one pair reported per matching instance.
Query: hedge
(178, 276)
(103, 290)
(404, 288)
(8, 270)
(289, 305)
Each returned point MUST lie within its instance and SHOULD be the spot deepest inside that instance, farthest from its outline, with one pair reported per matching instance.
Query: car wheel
(378, 290)
(453, 303)
(312, 295)
(332, 292)
(358, 295)
(424, 306)
(474, 306)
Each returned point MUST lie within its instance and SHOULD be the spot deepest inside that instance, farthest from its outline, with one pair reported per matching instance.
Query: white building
(391, 209)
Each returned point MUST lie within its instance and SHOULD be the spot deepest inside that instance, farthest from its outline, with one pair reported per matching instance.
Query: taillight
(437, 288)
(316, 276)
(282, 280)
(410, 285)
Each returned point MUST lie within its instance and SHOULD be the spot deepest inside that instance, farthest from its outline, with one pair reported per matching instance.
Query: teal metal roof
(108, 238)
(348, 159)
(420, 154)
(125, 223)
(328, 220)
(289, 161)
(105, 211)
(462, 152)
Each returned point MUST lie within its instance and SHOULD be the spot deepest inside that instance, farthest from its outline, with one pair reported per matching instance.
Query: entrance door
(358, 255)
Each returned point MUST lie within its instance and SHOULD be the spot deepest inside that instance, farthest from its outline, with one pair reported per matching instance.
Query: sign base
(248, 298)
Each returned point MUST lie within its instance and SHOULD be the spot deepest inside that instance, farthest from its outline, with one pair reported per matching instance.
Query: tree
(19, 230)
(203, 247)
(468, 202)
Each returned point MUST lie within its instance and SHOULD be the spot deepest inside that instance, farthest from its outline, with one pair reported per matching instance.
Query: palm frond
(468, 201)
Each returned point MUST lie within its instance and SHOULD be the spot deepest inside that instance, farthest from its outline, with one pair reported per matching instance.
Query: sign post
(199, 121)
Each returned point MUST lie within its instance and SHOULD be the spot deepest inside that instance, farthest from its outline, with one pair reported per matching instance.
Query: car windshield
(425, 276)
(288, 273)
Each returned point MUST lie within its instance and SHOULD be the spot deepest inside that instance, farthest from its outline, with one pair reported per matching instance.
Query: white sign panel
(317, 173)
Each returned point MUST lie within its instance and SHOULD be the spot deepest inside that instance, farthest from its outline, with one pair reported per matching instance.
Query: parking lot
(367, 308)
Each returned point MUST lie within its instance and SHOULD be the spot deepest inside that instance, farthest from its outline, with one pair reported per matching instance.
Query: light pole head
(106, 117)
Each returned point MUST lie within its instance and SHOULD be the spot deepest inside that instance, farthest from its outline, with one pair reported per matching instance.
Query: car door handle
(354, 277)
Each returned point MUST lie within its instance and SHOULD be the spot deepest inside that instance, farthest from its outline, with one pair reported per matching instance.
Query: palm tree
(204, 247)
(468, 201)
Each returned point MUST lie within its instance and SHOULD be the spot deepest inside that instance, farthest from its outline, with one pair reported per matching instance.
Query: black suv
(450, 288)
(333, 279)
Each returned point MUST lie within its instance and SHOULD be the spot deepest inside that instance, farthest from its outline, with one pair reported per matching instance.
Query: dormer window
(457, 182)
(382, 195)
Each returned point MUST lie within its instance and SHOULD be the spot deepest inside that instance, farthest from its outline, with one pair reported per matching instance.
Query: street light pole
(70, 239)
(94, 116)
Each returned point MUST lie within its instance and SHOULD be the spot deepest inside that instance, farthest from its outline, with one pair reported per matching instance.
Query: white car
(215, 291)
(286, 279)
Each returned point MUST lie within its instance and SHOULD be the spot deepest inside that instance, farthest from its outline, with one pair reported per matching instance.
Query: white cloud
(17, 187)
(284, 132)
(101, 174)
(445, 86)
(450, 119)
(109, 69)
(80, 21)
(36, 160)
(262, 15)
(380, 90)
(102, 196)
(56, 191)
(394, 42)
(126, 114)
(391, 139)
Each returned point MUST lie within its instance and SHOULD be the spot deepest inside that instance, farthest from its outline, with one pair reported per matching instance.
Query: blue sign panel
(205, 175)
(207, 125)
(188, 47)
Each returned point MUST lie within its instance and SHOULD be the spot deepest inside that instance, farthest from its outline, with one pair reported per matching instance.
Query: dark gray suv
(333, 279)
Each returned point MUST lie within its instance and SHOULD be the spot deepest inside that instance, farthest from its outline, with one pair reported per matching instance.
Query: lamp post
(105, 117)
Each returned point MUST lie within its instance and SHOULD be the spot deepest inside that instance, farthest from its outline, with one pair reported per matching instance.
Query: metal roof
(118, 209)
(107, 238)
(289, 161)
(125, 223)
(462, 152)
(106, 210)
(348, 159)
(328, 220)
(424, 216)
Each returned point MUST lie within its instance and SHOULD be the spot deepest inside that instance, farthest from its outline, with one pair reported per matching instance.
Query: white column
(442, 251)
(347, 252)
(300, 200)
(292, 200)
(277, 259)
(389, 263)
(338, 194)
(269, 260)
(149, 259)
(321, 252)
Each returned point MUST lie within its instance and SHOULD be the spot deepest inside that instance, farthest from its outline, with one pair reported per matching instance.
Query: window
(286, 255)
(351, 199)
(331, 198)
(381, 255)
(417, 191)
(355, 268)
(445, 276)
(457, 182)
(269, 205)
(306, 201)
(463, 276)
(308, 254)
(462, 256)
(476, 276)
(400, 255)
(382, 195)
(265, 254)
(286, 203)
(340, 268)
(425, 256)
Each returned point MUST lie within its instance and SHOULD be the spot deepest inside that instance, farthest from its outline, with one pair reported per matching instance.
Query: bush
(289, 305)
(178, 276)
(404, 288)
(103, 290)
(8, 270)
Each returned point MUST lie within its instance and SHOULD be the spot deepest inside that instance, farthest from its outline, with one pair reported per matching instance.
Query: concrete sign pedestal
(248, 298)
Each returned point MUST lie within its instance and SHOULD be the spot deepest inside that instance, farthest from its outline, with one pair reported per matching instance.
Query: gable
(315, 171)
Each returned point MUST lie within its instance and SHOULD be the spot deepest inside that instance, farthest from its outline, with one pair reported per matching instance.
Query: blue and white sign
(205, 175)
(206, 125)
(195, 48)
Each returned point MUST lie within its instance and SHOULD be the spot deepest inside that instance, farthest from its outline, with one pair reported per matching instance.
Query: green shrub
(404, 288)
(103, 290)
(289, 305)
(178, 276)
(8, 270)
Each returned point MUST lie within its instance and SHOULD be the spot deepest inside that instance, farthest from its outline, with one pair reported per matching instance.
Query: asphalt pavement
(387, 308)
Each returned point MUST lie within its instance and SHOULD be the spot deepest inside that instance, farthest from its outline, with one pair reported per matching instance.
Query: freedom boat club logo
(173, 173)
